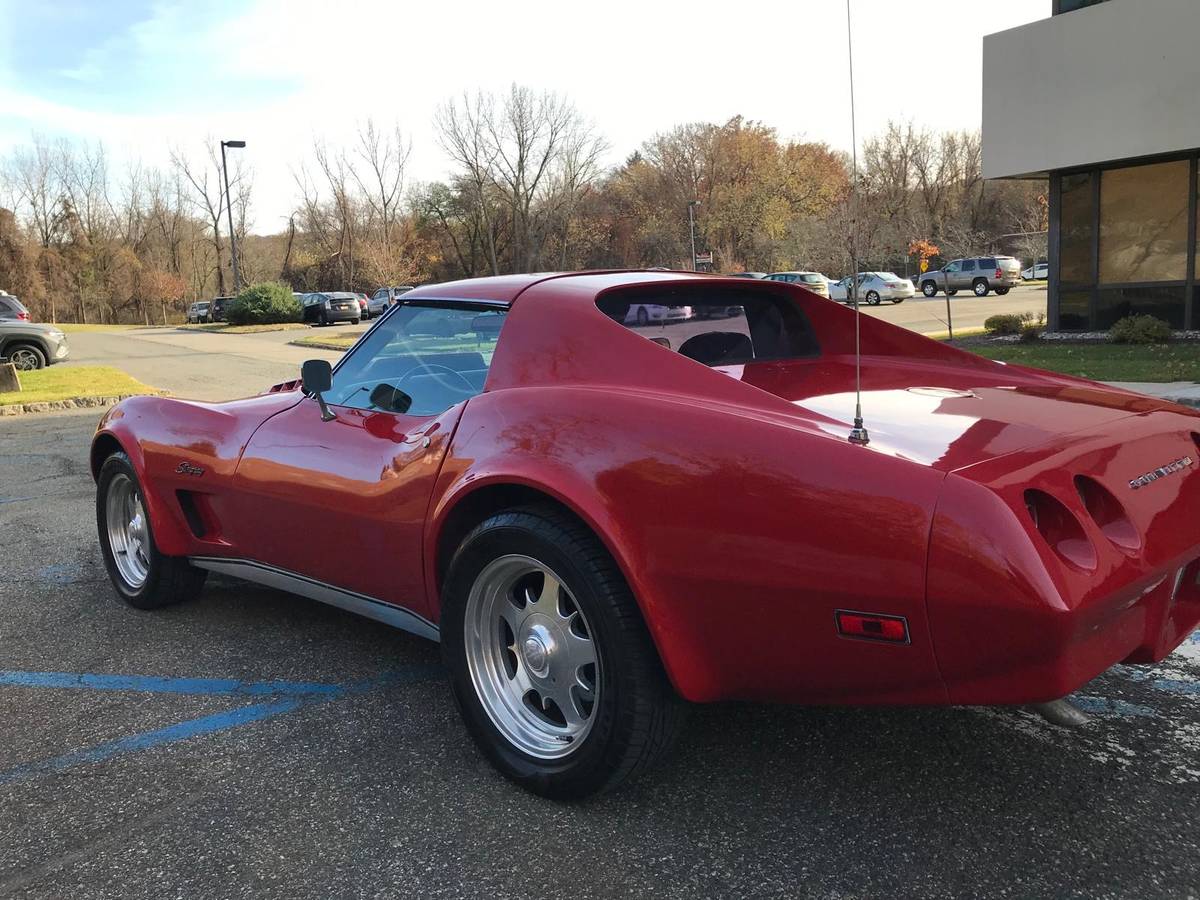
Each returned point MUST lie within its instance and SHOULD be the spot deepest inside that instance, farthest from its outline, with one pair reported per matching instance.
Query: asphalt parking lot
(254, 744)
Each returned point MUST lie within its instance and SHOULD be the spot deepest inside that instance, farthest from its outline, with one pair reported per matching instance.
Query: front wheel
(550, 661)
(27, 357)
(896, 300)
(929, 289)
(1001, 291)
(873, 298)
(142, 576)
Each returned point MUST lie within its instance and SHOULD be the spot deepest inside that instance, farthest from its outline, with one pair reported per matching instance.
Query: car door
(966, 274)
(342, 502)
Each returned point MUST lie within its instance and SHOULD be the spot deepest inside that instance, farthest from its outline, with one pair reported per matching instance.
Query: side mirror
(317, 376)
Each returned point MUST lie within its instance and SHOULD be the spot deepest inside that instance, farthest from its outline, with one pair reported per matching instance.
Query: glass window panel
(1164, 303)
(1073, 310)
(1144, 223)
(1076, 229)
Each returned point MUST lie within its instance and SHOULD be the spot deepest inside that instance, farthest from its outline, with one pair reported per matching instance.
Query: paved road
(207, 366)
(195, 364)
(370, 788)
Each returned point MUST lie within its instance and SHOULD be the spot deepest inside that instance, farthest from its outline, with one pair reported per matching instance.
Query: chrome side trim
(351, 601)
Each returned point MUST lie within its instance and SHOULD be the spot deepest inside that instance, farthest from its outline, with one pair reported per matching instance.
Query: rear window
(811, 278)
(987, 263)
(12, 304)
(715, 326)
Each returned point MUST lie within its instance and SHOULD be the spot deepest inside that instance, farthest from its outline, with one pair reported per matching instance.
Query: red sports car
(600, 519)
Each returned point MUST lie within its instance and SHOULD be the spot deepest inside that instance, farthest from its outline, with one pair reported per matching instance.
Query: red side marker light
(871, 626)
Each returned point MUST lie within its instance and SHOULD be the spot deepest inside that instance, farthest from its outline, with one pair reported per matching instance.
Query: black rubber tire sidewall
(589, 769)
(980, 288)
(168, 580)
(872, 298)
(1001, 291)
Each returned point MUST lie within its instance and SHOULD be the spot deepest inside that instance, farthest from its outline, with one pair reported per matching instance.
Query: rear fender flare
(683, 665)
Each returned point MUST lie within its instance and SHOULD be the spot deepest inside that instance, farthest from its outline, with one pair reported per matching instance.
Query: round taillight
(1107, 512)
(1060, 529)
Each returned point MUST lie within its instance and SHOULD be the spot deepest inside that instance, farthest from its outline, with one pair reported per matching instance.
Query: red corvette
(601, 519)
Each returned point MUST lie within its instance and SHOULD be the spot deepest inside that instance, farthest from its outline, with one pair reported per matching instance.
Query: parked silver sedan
(873, 288)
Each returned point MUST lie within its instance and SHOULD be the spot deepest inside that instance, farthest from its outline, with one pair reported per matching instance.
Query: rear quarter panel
(739, 536)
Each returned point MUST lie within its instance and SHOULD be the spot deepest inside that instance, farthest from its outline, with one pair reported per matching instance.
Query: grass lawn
(327, 341)
(65, 382)
(225, 328)
(77, 326)
(1103, 362)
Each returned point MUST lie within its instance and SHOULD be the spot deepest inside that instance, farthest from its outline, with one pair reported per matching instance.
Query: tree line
(527, 190)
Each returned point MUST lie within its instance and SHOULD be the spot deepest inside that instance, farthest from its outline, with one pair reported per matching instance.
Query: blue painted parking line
(155, 685)
(287, 696)
(169, 735)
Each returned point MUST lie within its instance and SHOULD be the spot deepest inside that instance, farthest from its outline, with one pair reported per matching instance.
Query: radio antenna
(858, 434)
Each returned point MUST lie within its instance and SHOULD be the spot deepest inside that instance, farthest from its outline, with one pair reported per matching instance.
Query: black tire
(929, 289)
(354, 321)
(169, 579)
(26, 357)
(324, 319)
(953, 293)
(896, 300)
(643, 317)
(980, 287)
(1001, 291)
(638, 713)
(873, 298)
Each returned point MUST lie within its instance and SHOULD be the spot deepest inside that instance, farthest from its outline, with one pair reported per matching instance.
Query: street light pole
(237, 275)
(692, 204)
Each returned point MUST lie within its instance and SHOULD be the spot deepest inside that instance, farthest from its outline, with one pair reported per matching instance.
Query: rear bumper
(342, 315)
(1013, 620)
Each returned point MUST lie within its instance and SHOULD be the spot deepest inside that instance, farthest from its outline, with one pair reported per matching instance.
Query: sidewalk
(1186, 393)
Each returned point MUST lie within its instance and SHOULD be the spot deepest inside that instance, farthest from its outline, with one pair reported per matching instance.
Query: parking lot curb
(45, 406)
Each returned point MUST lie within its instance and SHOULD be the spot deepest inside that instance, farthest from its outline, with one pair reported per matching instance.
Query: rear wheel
(1001, 291)
(550, 662)
(142, 576)
(354, 321)
(980, 287)
(324, 319)
(896, 300)
(929, 289)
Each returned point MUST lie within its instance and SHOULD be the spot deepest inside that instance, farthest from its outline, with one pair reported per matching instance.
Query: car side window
(954, 266)
(420, 361)
(968, 265)
(987, 263)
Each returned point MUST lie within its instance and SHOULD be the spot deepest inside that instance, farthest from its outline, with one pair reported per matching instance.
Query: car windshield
(715, 326)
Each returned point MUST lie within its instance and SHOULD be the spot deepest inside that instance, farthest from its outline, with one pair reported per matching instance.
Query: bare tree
(206, 192)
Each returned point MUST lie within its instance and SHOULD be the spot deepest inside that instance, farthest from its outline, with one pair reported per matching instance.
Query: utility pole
(237, 275)
(692, 204)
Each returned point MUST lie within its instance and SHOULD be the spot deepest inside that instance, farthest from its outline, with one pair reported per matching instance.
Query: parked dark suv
(216, 310)
(980, 274)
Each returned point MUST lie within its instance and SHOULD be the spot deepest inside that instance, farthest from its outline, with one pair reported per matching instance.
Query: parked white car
(873, 288)
(646, 313)
(1039, 272)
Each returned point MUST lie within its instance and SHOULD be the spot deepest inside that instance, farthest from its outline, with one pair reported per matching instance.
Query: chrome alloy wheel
(128, 532)
(25, 360)
(531, 656)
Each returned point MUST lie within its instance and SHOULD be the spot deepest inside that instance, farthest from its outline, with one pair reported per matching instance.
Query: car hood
(17, 326)
(944, 416)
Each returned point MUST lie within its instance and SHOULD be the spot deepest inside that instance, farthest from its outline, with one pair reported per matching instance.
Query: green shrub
(1008, 323)
(1031, 330)
(264, 304)
(1140, 330)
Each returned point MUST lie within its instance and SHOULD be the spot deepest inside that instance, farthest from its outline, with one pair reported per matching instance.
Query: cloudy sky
(144, 77)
